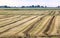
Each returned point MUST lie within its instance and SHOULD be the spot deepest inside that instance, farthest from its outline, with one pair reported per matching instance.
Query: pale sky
(30, 2)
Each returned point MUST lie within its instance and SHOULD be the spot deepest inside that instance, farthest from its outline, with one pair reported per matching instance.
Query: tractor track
(49, 26)
(49, 23)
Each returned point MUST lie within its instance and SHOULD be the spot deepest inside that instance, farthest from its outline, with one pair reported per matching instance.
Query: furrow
(1, 20)
(16, 28)
(49, 26)
(13, 21)
(37, 27)
(30, 26)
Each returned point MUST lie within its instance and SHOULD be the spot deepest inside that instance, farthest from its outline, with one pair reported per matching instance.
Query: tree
(42, 6)
(32, 6)
(23, 7)
(5, 6)
(58, 6)
(45, 6)
(38, 6)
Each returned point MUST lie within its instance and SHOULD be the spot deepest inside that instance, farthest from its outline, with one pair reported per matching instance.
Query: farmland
(29, 23)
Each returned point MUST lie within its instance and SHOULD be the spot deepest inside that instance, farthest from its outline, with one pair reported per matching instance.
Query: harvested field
(29, 23)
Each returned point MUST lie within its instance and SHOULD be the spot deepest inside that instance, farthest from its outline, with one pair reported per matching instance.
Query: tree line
(32, 6)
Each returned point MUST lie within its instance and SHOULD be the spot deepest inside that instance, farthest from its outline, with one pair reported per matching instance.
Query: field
(29, 23)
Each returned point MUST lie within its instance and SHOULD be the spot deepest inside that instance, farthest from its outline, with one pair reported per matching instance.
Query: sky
(50, 3)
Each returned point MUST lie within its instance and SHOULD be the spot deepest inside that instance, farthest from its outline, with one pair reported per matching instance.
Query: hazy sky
(30, 2)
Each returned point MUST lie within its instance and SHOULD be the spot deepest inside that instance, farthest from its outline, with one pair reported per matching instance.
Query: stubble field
(29, 23)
